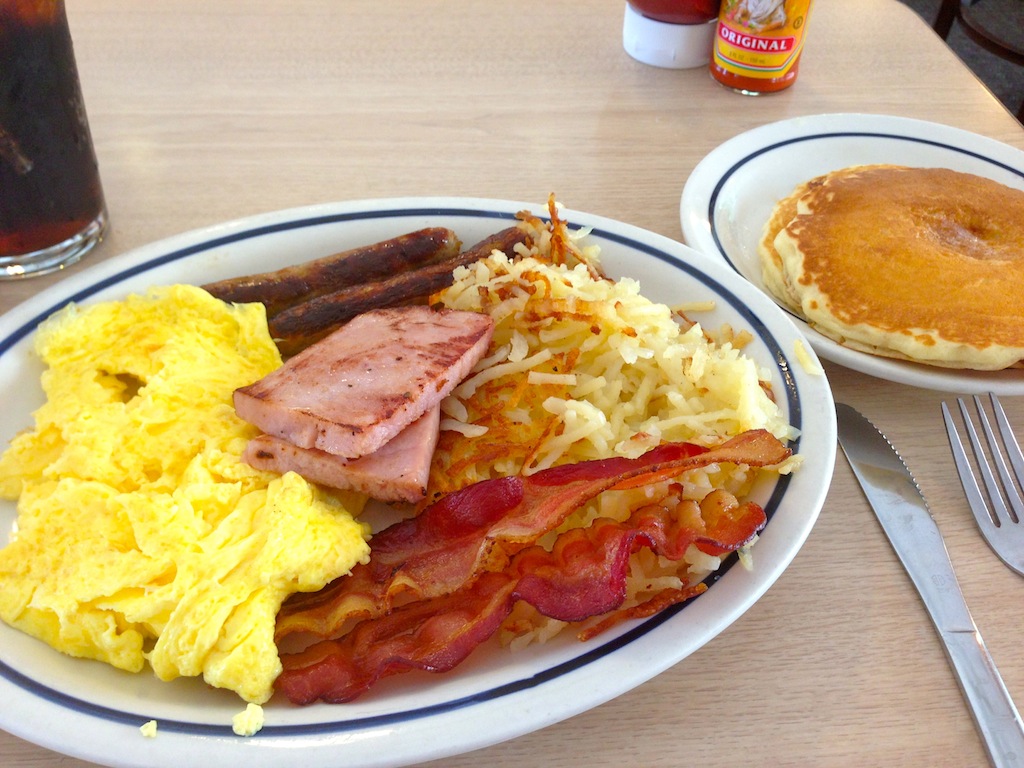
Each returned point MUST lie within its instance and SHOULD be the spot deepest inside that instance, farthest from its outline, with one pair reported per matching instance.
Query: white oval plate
(733, 190)
(415, 716)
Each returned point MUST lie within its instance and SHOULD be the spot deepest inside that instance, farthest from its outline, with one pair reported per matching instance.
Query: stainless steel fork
(999, 510)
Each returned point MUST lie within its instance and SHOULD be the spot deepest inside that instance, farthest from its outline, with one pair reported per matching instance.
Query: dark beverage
(51, 201)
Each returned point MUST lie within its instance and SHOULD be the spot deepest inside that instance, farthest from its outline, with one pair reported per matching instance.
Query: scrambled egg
(141, 535)
(249, 721)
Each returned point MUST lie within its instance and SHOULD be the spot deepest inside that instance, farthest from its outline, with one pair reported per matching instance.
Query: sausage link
(293, 285)
(297, 327)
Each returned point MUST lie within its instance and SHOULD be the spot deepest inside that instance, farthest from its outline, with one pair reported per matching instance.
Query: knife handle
(994, 712)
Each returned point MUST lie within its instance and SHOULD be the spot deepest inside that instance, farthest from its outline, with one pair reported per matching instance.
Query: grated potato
(582, 367)
(601, 369)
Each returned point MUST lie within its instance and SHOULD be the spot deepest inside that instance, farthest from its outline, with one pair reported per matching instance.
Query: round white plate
(732, 192)
(93, 711)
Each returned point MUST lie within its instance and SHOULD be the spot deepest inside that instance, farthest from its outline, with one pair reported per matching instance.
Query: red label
(755, 43)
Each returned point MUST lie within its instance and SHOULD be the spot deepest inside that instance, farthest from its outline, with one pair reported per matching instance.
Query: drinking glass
(51, 203)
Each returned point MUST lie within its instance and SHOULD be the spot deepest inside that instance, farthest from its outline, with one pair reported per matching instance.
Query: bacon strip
(583, 575)
(479, 528)
(447, 560)
(432, 635)
(658, 603)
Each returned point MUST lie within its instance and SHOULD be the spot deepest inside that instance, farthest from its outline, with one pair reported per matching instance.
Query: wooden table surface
(203, 112)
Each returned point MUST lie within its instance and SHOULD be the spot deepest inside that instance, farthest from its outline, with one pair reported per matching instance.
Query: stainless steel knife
(901, 509)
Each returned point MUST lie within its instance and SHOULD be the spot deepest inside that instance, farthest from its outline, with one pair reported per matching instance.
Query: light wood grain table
(204, 112)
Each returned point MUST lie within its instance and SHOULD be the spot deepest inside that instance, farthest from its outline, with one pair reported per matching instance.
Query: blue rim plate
(732, 191)
(416, 716)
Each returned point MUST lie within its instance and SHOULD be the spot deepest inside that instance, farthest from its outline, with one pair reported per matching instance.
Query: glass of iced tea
(51, 201)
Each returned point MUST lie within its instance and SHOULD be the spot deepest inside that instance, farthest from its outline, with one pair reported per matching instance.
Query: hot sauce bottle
(758, 44)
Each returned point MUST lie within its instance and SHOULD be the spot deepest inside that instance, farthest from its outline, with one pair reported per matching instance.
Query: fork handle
(994, 712)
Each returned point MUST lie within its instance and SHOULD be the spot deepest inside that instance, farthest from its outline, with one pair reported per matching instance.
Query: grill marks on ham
(355, 390)
(361, 408)
(397, 471)
(462, 564)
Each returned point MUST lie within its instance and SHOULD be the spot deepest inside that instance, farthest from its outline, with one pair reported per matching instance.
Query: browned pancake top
(917, 248)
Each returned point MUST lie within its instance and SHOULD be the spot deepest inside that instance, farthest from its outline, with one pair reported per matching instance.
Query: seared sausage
(292, 285)
(301, 325)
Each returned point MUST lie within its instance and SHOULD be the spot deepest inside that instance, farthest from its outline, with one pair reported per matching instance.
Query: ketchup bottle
(758, 44)
(675, 34)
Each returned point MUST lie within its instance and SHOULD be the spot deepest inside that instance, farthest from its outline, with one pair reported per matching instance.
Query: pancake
(771, 263)
(772, 273)
(923, 264)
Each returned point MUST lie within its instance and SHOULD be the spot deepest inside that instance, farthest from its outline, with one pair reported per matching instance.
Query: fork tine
(975, 499)
(1014, 454)
(1004, 537)
(998, 508)
(996, 452)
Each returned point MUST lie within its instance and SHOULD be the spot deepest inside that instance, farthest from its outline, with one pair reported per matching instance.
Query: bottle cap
(672, 46)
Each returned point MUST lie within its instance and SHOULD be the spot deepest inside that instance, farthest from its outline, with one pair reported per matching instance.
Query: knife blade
(901, 509)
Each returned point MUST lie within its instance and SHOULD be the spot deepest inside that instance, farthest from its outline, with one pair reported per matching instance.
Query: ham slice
(397, 471)
(356, 389)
